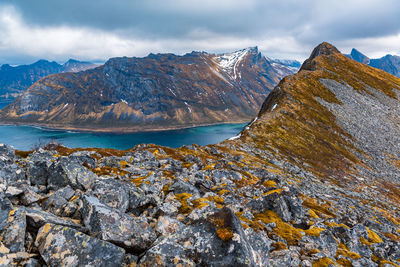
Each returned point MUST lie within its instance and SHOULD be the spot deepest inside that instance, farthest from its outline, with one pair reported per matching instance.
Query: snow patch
(187, 105)
(273, 107)
(171, 91)
(124, 101)
(229, 61)
(235, 137)
(66, 105)
(251, 123)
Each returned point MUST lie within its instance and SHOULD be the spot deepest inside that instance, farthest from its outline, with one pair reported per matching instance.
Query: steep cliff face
(158, 91)
(15, 80)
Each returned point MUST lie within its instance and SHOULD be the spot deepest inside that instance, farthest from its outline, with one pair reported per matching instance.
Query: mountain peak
(358, 56)
(323, 48)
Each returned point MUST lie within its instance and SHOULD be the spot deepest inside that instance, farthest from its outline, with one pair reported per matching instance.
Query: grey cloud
(175, 25)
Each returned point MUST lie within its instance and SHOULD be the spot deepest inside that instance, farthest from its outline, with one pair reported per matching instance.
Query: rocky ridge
(15, 80)
(312, 181)
(155, 92)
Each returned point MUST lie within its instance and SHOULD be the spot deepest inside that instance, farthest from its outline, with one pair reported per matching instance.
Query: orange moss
(323, 262)
(269, 183)
(345, 252)
(291, 234)
(23, 154)
(320, 210)
(224, 234)
(373, 237)
(182, 198)
(344, 262)
(278, 246)
(105, 170)
(278, 191)
(314, 231)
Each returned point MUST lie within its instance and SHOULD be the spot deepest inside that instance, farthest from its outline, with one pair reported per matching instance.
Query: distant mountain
(155, 92)
(15, 80)
(289, 62)
(388, 63)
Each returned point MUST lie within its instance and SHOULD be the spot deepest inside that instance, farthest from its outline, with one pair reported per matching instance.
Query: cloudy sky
(100, 29)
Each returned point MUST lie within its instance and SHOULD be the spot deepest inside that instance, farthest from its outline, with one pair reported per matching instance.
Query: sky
(96, 30)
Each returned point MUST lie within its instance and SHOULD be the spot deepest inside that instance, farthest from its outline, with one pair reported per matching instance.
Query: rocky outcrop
(312, 181)
(15, 80)
(160, 91)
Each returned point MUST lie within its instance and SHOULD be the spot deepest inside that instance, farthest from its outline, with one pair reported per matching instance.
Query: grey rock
(37, 218)
(59, 201)
(30, 196)
(82, 250)
(13, 236)
(201, 244)
(105, 190)
(111, 225)
(63, 173)
(5, 208)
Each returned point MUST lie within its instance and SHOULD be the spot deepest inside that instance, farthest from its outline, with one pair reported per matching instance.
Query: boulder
(13, 236)
(59, 200)
(82, 250)
(65, 172)
(111, 225)
(105, 190)
(37, 218)
(218, 240)
(5, 208)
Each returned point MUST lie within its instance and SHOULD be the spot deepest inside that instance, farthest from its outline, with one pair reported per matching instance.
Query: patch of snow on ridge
(124, 101)
(273, 107)
(235, 137)
(251, 123)
(187, 105)
(66, 105)
(229, 61)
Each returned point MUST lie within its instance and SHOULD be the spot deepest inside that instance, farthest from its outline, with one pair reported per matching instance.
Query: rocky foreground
(312, 181)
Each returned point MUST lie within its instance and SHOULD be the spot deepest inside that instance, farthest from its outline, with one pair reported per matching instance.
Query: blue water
(27, 137)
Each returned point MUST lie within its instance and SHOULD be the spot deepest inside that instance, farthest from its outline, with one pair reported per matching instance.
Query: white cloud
(374, 47)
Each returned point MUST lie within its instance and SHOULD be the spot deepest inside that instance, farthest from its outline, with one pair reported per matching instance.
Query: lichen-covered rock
(82, 250)
(217, 241)
(13, 236)
(18, 259)
(105, 190)
(37, 218)
(58, 201)
(30, 196)
(5, 208)
(111, 225)
(65, 172)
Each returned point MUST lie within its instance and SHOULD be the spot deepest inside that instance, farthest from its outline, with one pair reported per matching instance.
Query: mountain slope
(388, 63)
(156, 92)
(15, 80)
(314, 180)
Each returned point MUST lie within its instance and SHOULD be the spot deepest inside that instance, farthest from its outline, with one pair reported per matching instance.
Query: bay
(28, 137)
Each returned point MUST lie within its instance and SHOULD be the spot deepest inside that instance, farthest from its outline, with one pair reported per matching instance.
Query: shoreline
(118, 130)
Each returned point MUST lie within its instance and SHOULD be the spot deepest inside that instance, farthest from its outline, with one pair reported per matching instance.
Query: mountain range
(160, 91)
(15, 80)
(388, 63)
(313, 180)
